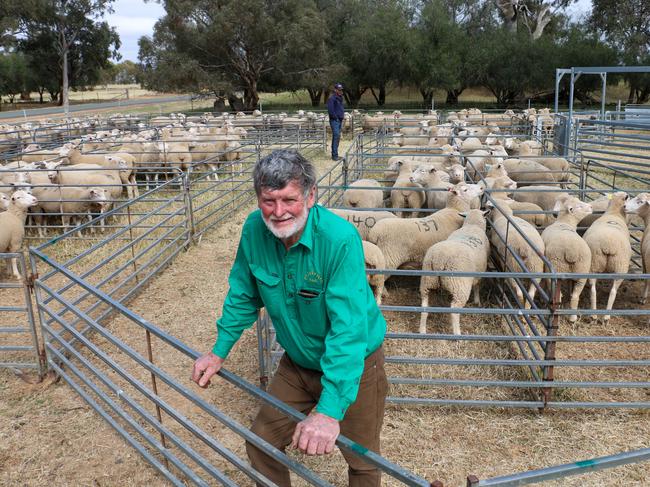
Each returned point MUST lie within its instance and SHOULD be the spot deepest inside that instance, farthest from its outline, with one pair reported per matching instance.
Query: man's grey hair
(281, 167)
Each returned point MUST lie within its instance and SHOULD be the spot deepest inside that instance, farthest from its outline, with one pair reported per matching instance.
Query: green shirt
(317, 295)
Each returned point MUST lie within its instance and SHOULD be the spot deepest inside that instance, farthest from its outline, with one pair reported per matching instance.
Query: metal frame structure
(535, 334)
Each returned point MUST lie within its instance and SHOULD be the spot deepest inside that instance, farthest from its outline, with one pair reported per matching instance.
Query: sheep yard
(498, 361)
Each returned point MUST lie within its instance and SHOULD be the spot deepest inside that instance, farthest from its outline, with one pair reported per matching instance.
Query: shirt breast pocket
(268, 286)
(310, 304)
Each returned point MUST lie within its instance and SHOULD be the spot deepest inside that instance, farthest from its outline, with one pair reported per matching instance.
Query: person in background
(336, 114)
(305, 265)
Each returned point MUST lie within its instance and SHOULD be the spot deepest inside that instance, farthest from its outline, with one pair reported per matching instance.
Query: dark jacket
(335, 107)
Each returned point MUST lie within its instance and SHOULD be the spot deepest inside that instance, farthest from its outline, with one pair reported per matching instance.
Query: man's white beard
(287, 231)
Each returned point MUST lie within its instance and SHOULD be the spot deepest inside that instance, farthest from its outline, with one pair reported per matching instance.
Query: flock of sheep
(542, 227)
(431, 206)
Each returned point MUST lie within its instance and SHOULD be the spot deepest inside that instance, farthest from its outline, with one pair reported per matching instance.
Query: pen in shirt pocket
(307, 293)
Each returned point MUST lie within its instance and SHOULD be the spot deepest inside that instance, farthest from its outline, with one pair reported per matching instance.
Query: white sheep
(640, 205)
(437, 189)
(406, 240)
(402, 197)
(566, 251)
(524, 241)
(465, 250)
(500, 187)
(4, 202)
(529, 172)
(374, 260)
(543, 196)
(609, 240)
(69, 202)
(360, 195)
(363, 220)
(12, 226)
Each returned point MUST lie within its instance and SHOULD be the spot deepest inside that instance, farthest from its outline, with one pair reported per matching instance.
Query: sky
(134, 19)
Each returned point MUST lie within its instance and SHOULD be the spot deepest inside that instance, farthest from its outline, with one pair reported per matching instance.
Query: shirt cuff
(331, 406)
(222, 348)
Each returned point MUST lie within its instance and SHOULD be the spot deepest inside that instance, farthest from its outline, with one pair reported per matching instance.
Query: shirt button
(290, 275)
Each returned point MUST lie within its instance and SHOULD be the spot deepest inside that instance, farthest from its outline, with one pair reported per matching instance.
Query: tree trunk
(630, 95)
(452, 96)
(643, 96)
(314, 95)
(353, 97)
(427, 97)
(64, 89)
(236, 103)
(40, 95)
(251, 97)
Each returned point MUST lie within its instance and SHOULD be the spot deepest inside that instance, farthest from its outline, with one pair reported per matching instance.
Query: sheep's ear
(486, 212)
(558, 206)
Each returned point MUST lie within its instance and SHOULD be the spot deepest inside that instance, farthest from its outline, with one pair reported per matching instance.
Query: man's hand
(205, 367)
(316, 434)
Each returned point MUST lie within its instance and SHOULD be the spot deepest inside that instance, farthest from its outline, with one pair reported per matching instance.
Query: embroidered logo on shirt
(313, 277)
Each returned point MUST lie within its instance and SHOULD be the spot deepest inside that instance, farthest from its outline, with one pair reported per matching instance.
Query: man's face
(285, 210)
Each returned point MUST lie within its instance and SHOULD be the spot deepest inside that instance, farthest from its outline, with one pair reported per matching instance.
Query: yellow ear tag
(609, 196)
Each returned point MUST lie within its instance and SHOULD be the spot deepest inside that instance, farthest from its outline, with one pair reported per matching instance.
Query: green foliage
(14, 78)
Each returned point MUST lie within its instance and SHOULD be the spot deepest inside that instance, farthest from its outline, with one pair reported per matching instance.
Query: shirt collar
(307, 237)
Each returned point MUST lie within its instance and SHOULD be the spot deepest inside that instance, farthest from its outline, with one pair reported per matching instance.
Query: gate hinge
(31, 279)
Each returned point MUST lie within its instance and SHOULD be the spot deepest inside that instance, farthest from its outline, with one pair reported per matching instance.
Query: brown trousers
(301, 388)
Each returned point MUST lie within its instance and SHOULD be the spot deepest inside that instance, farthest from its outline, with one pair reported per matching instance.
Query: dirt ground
(49, 435)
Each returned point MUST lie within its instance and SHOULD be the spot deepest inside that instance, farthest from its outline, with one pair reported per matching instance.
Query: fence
(519, 352)
(19, 347)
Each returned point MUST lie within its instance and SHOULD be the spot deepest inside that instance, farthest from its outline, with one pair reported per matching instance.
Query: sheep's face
(456, 173)
(617, 200)
(467, 192)
(23, 199)
(634, 205)
(421, 173)
(496, 170)
(4, 202)
(573, 206)
(504, 182)
(98, 196)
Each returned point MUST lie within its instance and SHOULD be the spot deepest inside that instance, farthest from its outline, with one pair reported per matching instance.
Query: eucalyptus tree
(625, 25)
(232, 44)
(75, 26)
(530, 16)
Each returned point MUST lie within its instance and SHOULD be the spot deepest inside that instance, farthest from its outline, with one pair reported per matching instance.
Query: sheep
(374, 260)
(401, 196)
(465, 250)
(609, 240)
(640, 205)
(527, 172)
(437, 190)
(4, 202)
(524, 241)
(559, 166)
(564, 248)
(69, 202)
(543, 196)
(355, 197)
(12, 226)
(86, 175)
(363, 220)
(532, 213)
(407, 240)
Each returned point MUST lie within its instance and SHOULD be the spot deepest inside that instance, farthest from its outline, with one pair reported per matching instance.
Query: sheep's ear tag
(609, 196)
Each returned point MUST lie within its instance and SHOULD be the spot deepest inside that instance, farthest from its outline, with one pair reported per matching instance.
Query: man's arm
(238, 313)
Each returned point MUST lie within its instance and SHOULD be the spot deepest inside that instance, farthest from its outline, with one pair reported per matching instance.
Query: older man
(305, 265)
